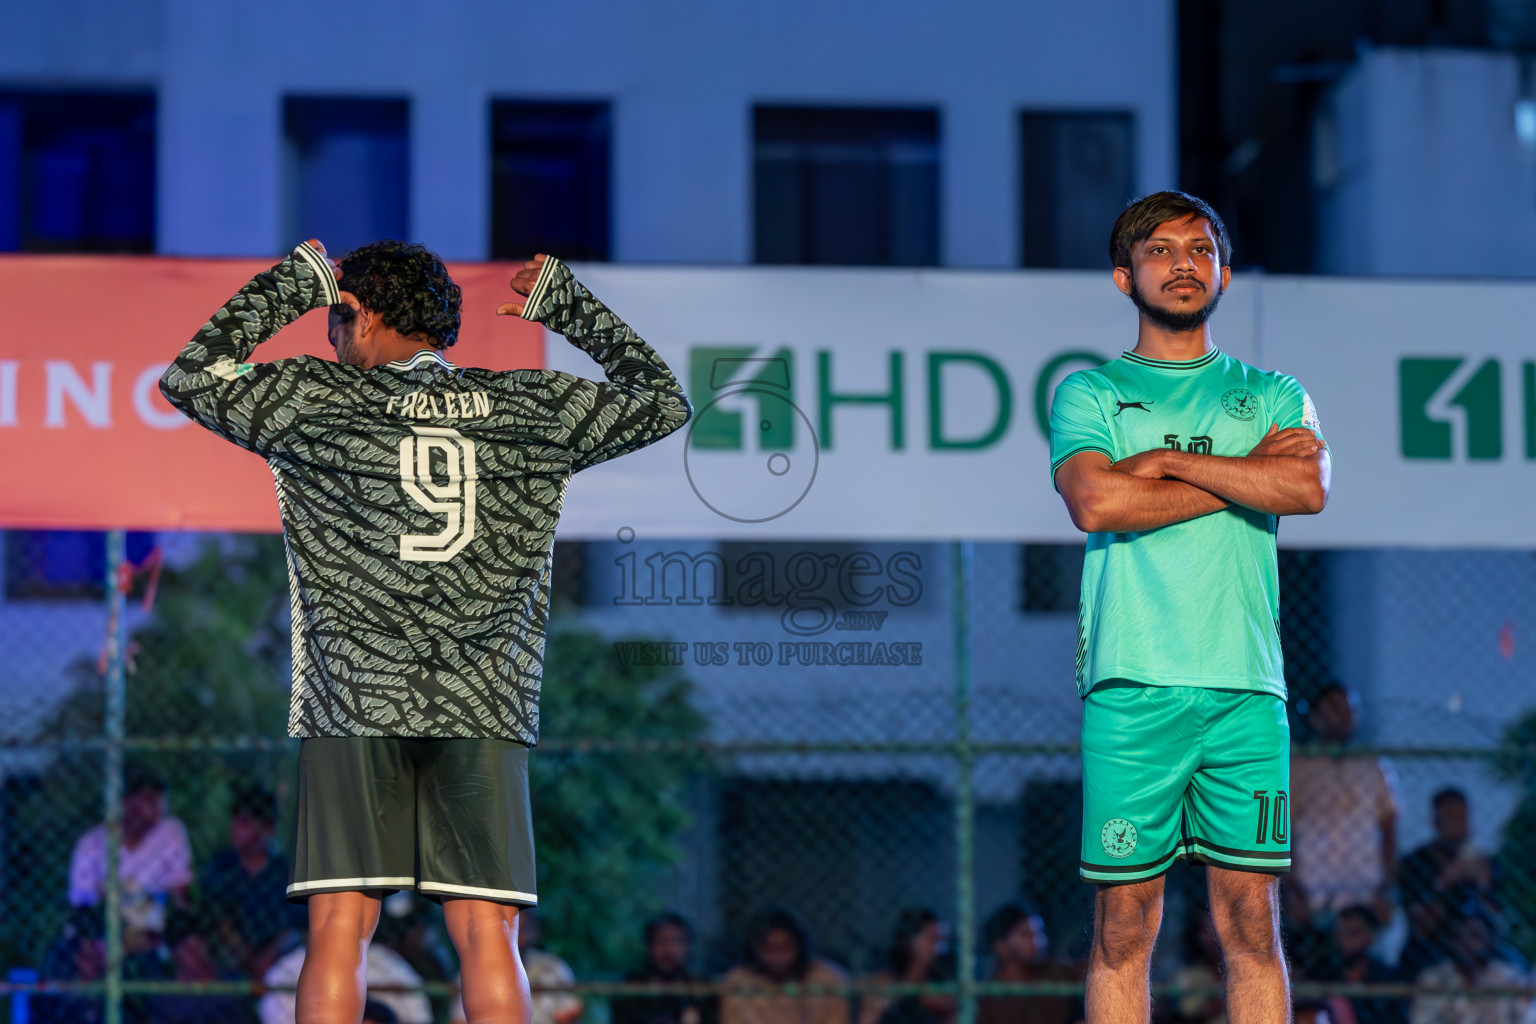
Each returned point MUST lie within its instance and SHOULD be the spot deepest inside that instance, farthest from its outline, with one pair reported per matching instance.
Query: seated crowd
(229, 921)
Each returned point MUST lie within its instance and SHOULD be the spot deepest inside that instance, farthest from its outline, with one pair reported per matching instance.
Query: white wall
(1419, 169)
(683, 76)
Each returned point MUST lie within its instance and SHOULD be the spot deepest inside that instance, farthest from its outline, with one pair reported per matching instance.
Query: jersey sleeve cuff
(327, 277)
(541, 287)
(1056, 463)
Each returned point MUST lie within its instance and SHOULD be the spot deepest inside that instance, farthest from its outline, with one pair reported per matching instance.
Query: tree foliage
(606, 821)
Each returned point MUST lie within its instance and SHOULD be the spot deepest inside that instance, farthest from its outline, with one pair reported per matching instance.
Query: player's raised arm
(642, 401)
(211, 382)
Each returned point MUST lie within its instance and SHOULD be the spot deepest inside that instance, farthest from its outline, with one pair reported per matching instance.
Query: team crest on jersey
(1240, 404)
(1118, 837)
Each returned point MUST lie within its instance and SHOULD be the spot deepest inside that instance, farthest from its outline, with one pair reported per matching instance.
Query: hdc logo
(1442, 398)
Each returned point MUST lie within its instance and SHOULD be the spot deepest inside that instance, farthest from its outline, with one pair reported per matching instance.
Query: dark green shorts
(448, 818)
(1186, 771)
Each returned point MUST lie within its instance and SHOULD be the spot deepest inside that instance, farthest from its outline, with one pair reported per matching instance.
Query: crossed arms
(1286, 474)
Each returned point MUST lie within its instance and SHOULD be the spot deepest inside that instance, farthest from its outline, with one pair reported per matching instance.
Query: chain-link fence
(850, 768)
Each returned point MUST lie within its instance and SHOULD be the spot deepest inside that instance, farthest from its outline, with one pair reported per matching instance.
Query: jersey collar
(427, 356)
(1174, 364)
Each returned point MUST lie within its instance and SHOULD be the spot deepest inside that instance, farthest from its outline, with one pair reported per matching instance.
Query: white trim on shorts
(475, 890)
(379, 882)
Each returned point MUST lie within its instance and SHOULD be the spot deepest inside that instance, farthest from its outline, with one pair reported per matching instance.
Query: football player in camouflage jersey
(419, 502)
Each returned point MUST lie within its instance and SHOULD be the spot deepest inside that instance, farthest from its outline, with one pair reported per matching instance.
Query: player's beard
(1178, 323)
(348, 352)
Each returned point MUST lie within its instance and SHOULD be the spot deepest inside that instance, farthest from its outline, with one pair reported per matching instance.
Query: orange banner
(86, 440)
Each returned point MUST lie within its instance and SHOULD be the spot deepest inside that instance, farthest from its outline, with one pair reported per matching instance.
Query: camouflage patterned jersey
(419, 499)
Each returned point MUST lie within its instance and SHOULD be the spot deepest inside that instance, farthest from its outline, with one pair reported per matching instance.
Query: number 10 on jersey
(448, 492)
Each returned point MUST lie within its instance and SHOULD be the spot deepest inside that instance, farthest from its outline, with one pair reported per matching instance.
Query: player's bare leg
(332, 983)
(495, 987)
(1125, 923)
(1245, 907)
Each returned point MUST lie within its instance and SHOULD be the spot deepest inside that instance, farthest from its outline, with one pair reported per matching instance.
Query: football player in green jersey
(1177, 460)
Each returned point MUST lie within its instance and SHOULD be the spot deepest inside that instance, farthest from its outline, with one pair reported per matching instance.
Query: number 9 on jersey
(449, 492)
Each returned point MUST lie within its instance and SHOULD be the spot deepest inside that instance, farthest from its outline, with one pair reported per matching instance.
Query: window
(77, 172)
(549, 180)
(852, 187)
(347, 169)
(1052, 576)
(1078, 173)
(63, 563)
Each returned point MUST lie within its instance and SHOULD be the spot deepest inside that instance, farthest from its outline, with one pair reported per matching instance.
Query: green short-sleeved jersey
(1194, 603)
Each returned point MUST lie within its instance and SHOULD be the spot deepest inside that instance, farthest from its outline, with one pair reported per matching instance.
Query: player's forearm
(1280, 485)
(658, 404)
(269, 302)
(1115, 502)
(565, 306)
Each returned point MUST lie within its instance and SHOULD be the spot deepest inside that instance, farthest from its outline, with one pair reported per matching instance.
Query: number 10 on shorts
(1276, 824)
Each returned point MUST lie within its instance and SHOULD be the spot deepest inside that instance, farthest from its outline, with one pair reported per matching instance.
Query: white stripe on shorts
(475, 890)
(379, 882)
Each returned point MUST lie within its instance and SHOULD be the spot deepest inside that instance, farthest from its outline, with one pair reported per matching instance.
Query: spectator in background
(410, 925)
(384, 969)
(375, 1012)
(668, 945)
(193, 963)
(1201, 999)
(1354, 933)
(80, 954)
(1344, 816)
(244, 889)
(781, 953)
(916, 957)
(1473, 962)
(1015, 938)
(155, 862)
(1322, 1011)
(1439, 878)
(545, 970)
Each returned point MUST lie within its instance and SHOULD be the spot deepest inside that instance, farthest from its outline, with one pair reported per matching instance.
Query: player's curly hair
(408, 286)
(1141, 217)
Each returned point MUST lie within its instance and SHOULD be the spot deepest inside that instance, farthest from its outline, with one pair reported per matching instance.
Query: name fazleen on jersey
(427, 405)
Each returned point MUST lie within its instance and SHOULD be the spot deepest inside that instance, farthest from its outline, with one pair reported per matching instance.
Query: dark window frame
(799, 152)
(1050, 578)
(1040, 205)
(107, 138)
(569, 143)
(310, 118)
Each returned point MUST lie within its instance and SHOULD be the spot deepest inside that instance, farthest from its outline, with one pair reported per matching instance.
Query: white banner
(910, 404)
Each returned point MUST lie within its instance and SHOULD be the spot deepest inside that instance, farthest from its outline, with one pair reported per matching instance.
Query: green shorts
(1172, 771)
